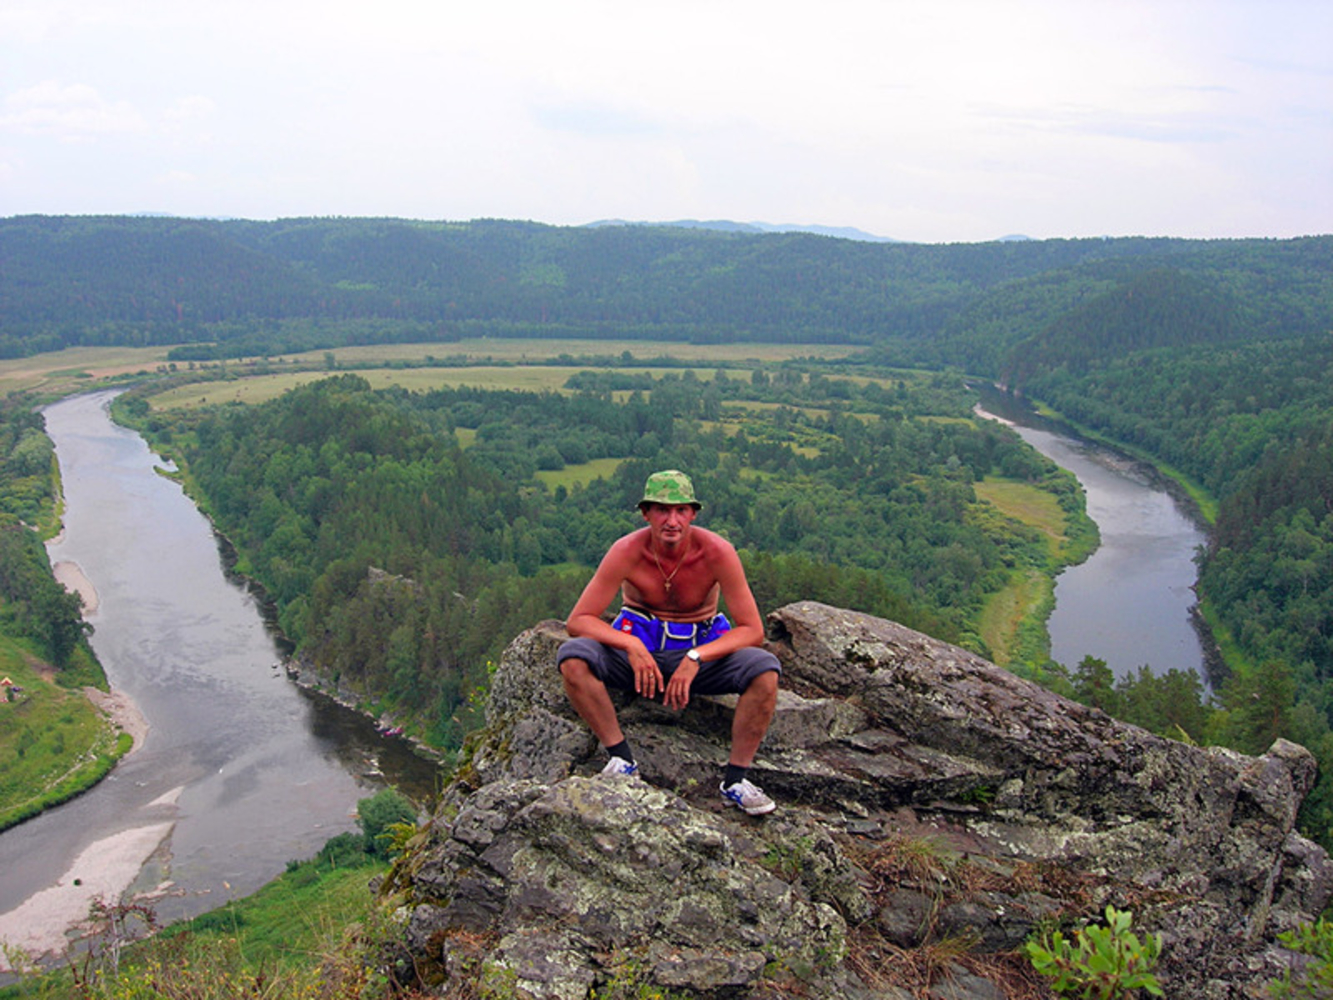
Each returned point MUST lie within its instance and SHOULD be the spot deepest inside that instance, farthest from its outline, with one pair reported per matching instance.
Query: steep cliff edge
(933, 810)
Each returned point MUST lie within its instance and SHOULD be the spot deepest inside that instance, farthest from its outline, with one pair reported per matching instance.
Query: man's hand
(647, 677)
(677, 694)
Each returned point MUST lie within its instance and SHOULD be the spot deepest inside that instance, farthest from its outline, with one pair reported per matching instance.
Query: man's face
(669, 521)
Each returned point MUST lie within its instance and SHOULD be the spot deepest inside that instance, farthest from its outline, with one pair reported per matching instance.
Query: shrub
(1100, 962)
(1315, 978)
(378, 814)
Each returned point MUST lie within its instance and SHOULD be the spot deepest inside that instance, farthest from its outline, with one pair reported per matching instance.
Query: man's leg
(591, 700)
(754, 713)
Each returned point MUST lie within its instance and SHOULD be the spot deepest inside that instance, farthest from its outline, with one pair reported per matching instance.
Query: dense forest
(241, 287)
(403, 562)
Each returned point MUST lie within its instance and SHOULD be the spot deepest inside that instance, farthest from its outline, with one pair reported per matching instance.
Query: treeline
(33, 606)
(403, 563)
(239, 287)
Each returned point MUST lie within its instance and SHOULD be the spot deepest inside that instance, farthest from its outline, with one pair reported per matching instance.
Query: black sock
(622, 751)
(733, 774)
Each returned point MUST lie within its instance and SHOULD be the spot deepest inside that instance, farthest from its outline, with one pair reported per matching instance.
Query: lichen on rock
(925, 795)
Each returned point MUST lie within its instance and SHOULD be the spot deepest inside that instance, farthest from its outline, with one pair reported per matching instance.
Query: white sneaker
(748, 797)
(619, 765)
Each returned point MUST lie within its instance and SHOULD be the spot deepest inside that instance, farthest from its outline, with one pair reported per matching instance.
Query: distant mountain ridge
(728, 226)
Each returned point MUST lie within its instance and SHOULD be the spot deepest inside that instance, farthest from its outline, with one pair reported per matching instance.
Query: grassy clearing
(1029, 505)
(580, 475)
(1012, 621)
(59, 373)
(1005, 611)
(53, 743)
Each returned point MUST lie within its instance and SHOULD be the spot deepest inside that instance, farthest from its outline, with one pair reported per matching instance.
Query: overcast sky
(925, 120)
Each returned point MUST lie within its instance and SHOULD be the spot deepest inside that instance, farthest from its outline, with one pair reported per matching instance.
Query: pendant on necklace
(667, 585)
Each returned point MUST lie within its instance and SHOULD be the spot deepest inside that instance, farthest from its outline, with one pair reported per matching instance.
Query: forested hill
(265, 287)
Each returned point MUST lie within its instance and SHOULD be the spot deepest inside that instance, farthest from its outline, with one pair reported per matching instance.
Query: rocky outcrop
(934, 810)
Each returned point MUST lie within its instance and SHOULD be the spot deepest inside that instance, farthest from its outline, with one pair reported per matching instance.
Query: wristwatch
(693, 654)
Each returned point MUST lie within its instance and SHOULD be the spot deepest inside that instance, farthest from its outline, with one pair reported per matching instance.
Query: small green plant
(1099, 962)
(629, 981)
(787, 858)
(1315, 978)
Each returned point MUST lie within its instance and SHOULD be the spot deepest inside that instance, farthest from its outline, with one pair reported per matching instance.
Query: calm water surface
(252, 770)
(1129, 603)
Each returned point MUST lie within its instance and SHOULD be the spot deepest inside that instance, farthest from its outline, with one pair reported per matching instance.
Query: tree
(378, 813)
(1094, 684)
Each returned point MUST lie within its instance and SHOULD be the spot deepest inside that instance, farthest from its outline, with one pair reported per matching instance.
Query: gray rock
(924, 794)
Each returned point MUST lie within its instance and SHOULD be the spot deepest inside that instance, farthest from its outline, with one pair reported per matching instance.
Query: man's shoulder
(631, 544)
(712, 542)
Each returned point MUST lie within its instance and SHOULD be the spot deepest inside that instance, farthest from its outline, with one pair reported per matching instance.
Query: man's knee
(578, 675)
(763, 686)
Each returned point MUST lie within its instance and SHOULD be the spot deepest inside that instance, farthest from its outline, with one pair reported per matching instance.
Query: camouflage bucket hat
(670, 486)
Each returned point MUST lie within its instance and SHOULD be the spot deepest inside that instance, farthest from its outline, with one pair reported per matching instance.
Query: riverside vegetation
(1181, 349)
(53, 742)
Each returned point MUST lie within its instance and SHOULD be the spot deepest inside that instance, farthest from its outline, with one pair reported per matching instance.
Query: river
(1130, 602)
(241, 771)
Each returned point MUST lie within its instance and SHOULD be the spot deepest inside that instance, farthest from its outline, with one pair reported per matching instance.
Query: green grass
(58, 373)
(582, 474)
(53, 743)
(262, 388)
(305, 935)
(1004, 613)
(286, 923)
(1028, 504)
(1012, 621)
(531, 350)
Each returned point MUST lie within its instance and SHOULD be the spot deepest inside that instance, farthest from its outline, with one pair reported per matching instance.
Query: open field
(80, 368)
(1005, 611)
(1035, 508)
(580, 475)
(520, 350)
(262, 388)
(62, 372)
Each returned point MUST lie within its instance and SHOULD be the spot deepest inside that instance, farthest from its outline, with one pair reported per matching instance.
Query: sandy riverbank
(70, 575)
(122, 711)
(44, 923)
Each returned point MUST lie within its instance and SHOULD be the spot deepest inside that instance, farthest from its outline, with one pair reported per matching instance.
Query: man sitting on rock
(669, 636)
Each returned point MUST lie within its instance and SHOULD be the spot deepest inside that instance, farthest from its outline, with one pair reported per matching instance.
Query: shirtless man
(669, 636)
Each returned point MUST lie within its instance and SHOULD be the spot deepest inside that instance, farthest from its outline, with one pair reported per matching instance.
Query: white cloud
(189, 109)
(70, 111)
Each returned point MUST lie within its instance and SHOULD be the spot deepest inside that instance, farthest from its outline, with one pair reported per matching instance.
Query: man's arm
(747, 626)
(585, 619)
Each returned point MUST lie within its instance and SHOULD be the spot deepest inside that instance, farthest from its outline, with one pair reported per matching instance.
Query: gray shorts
(730, 675)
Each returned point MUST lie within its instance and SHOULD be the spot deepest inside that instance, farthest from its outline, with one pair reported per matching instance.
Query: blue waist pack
(659, 635)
